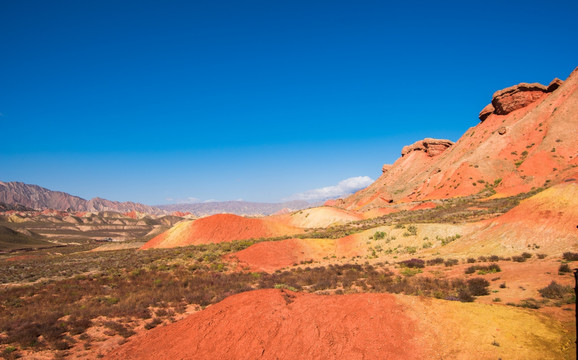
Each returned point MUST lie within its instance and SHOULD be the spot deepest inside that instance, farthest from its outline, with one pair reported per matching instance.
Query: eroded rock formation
(430, 146)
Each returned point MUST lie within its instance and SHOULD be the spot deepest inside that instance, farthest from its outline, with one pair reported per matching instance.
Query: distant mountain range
(36, 197)
(20, 196)
(236, 207)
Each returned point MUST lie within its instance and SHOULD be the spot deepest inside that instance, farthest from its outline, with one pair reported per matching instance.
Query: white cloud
(344, 187)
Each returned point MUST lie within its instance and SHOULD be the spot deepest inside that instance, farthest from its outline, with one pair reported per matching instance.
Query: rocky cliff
(526, 139)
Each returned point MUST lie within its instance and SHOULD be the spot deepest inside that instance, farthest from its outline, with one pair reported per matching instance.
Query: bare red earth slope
(279, 324)
(269, 324)
(219, 228)
(527, 137)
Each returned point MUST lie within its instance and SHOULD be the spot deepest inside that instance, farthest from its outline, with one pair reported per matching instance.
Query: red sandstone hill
(220, 228)
(279, 324)
(526, 138)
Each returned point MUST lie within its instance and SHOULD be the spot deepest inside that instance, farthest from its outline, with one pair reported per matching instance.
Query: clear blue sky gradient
(149, 100)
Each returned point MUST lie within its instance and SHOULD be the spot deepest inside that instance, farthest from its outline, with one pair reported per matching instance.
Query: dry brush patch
(46, 315)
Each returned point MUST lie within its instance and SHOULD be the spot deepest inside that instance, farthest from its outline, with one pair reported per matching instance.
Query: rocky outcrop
(510, 153)
(385, 168)
(432, 147)
(554, 84)
(487, 111)
(516, 97)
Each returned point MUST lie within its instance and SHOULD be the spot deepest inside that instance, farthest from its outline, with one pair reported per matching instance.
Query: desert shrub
(526, 255)
(529, 303)
(541, 256)
(518, 258)
(493, 258)
(410, 271)
(482, 270)
(564, 268)
(570, 256)
(435, 261)
(478, 286)
(482, 259)
(471, 260)
(78, 325)
(451, 262)
(9, 353)
(412, 230)
(378, 235)
(555, 291)
(448, 239)
(410, 249)
(119, 329)
(153, 323)
(412, 263)
(503, 285)
(464, 295)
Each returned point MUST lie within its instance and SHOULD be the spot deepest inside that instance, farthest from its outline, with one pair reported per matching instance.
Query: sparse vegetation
(412, 263)
(482, 270)
(519, 258)
(570, 256)
(124, 293)
(564, 268)
(556, 291)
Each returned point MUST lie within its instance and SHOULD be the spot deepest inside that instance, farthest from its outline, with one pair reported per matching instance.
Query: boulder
(432, 147)
(516, 97)
(385, 168)
(487, 111)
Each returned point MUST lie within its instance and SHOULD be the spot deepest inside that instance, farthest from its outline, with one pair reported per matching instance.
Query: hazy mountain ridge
(37, 197)
(236, 207)
(21, 197)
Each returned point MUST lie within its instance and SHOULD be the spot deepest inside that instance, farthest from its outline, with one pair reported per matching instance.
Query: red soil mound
(527, 139)
(273, 255)
(274, 324)
(279, 324)
(219, 228)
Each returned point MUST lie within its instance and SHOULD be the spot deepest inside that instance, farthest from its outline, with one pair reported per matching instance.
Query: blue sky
(256, 100)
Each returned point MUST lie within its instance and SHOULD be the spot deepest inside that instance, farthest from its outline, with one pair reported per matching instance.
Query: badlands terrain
(459, 250)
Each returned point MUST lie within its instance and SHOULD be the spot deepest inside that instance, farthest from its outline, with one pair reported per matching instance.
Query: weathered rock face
(489, 109)
(554, 84)
(385, 168)
(516, 97)
(522, 149)
(431, 147)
